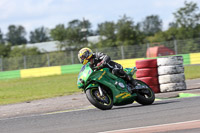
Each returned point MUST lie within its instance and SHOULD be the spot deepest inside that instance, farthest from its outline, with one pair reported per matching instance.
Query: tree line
(125, 31)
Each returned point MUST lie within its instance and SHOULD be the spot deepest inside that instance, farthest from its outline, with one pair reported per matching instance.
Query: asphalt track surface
(121, 117)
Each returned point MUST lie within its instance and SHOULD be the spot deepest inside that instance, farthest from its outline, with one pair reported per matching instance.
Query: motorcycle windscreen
(84, 73)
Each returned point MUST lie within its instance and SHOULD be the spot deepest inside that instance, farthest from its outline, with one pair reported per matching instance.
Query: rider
(101, 60)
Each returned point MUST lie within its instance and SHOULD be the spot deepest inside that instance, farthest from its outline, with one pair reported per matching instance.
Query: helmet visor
(82, 58)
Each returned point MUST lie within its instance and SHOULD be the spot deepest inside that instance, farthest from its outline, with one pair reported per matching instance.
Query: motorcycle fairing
(103, 77)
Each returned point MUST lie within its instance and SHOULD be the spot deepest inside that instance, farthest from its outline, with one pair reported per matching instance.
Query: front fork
(100, 91)
(98, 86)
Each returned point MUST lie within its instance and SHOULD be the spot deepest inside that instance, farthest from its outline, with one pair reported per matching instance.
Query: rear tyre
(101, 102)
(146, 95)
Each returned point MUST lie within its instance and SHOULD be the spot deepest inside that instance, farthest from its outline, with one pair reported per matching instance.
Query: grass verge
(192, 71)
(22, 90)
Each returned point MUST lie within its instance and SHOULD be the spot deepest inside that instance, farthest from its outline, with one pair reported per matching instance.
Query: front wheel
(145, 96)
(104, 102)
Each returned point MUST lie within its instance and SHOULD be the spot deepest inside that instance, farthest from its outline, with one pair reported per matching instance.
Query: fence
(116, 53)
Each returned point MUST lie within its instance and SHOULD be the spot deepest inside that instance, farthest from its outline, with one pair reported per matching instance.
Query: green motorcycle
(103, 89)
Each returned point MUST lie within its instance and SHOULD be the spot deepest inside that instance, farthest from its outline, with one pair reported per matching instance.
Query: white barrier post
(25, 62)
(175, 47)
(72, 56)
(48, 60)
(1, 61)
(122, 52)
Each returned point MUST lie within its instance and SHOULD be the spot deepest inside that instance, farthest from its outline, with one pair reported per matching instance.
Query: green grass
(22, 90)
(192, 71)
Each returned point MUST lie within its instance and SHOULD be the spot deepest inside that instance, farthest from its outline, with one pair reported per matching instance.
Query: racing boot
(130, 80)
(135, 85)
(122, 74)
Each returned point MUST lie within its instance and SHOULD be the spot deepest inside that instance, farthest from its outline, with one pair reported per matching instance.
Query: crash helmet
(84, 55)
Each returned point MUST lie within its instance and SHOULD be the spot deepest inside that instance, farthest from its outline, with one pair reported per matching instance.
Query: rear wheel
(104, 102)
(145, 96)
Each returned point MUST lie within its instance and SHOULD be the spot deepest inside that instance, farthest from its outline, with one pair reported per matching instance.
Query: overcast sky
(36, 13)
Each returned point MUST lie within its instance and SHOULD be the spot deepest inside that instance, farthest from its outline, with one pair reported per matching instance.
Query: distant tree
(173, 25)
(23, 51)
(172, 33)
(16, 35)
(125, 30)
(72, 36)
(77, 32)
(107, 29)
(127, 33)
(39, 35)
(4, 50)
(1, 38)
(151, 25)
(185, 26)
(59, 33)
(187, 16)
(197, 31)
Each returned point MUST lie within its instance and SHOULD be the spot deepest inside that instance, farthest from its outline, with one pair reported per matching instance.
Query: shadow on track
(136, 105)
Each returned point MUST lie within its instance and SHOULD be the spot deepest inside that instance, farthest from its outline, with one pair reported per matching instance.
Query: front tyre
(101, 102)
(145, 96)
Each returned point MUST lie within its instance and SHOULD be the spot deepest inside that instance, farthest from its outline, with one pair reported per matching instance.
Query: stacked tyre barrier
(148, 73)
(171, 73)
(162, 74)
